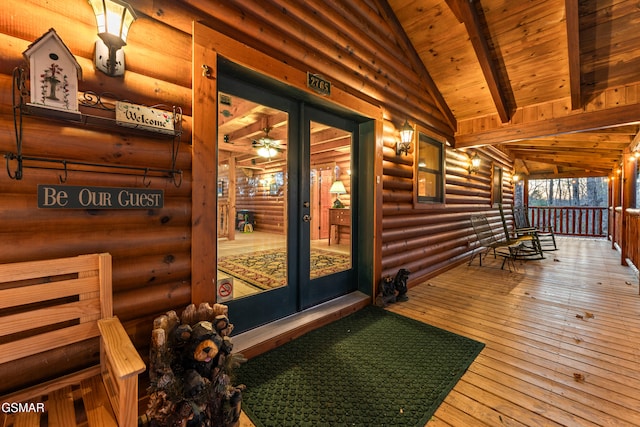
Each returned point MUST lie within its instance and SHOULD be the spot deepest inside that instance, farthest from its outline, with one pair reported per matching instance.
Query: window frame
(497, 192)
(425, 202)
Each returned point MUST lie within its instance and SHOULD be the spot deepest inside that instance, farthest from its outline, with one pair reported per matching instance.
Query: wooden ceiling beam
(586, 165)
(582, 139)
(570, 152)
(635, 144)
(579, 122)
(466, 12)
(521, 165)
(573, 48)
(566, 174)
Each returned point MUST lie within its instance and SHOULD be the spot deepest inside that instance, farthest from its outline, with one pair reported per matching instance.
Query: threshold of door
(272, 335)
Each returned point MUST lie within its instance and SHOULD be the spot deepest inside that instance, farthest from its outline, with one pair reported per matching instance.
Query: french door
(326, 192)
(285, 186)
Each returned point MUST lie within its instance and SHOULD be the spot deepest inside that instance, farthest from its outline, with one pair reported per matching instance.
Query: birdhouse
(54, 73)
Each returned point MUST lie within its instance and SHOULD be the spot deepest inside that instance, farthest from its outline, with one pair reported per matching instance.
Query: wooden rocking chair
(489, 242)
(530, 239)
(545, 233)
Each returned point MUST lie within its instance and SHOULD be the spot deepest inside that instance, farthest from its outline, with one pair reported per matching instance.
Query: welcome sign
(141, 117)
(86, 197)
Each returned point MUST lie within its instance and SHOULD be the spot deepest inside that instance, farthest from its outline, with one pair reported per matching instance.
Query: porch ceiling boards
(555, 83)
(561, 338)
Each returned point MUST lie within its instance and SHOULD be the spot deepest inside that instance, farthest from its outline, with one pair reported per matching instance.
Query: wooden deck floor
(562, 339)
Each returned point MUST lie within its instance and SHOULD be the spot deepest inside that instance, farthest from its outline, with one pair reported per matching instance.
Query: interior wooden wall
(349, 42)
(269, 209)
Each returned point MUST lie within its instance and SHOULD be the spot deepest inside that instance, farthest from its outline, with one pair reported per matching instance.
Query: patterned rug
(267, 269)
(372, 368)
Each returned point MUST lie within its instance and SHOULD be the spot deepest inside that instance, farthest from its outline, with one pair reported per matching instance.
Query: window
(496, 185)
(429, 170)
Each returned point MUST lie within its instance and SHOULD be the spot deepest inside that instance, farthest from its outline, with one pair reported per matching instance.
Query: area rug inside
(372, 368)
(268, 269)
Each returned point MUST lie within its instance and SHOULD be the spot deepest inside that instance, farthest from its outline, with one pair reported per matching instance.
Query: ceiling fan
(267, 146)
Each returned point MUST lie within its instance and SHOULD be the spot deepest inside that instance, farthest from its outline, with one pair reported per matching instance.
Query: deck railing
(571, 220)
(632, 236)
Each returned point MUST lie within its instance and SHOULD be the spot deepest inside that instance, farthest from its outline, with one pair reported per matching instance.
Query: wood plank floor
(562, 339)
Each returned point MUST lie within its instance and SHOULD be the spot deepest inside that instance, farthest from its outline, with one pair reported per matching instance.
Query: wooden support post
(628, 199)
(205, 172)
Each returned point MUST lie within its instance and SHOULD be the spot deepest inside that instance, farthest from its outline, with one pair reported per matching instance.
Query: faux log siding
(426, 241)
(347, 41)
(150, 248)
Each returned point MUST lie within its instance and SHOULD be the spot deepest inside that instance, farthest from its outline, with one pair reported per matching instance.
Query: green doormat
(372, 368)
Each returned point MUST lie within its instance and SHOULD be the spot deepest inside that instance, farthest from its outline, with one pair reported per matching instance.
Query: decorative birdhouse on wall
(54, 73)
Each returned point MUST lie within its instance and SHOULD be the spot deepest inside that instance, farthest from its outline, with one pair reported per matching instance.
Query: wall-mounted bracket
(103, 102)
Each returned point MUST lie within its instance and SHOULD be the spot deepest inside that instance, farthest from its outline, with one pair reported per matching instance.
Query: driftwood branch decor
(190, 369)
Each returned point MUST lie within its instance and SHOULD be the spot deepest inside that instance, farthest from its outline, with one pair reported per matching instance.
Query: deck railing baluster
(589, 221)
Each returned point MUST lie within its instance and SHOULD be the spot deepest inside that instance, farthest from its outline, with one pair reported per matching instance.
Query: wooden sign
(318, 84)
(141, 117)
(87, 197)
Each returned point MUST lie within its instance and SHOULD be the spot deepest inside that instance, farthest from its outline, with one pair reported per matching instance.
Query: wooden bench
(45, 305)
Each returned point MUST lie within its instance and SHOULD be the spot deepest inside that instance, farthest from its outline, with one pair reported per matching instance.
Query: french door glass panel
(252, 195)
(330, 194)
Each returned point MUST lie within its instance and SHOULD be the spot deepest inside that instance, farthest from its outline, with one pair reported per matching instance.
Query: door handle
(306, 218)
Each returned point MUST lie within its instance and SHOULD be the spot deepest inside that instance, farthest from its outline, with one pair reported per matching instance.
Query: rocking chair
(545, 233)
(530, 239)
(489, 242)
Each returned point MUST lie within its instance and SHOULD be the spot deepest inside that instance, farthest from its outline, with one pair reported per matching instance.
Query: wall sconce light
(406, 136)
(516, 178)
(337, 188)
(474, 163)
(114, 17)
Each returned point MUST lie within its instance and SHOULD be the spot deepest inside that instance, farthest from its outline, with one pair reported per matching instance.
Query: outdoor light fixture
(114, 17)
(474, 164)
(337, 188)
(406, 136)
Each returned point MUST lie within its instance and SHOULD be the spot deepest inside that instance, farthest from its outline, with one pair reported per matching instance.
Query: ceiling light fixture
(267, 147)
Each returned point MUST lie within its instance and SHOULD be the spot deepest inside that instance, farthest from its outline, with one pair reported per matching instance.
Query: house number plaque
(85, 197)
(318, 84)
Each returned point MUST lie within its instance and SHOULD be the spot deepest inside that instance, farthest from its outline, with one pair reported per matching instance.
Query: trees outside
(591, 191)
(575, 206)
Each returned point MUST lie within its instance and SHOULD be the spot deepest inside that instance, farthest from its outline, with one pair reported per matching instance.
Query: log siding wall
(348, 42)
(436, 237)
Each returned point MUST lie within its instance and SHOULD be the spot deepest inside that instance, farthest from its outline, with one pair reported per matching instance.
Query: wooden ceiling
(554, 83)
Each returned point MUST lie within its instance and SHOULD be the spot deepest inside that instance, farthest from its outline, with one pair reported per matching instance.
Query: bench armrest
(123, 357)
(120, 366)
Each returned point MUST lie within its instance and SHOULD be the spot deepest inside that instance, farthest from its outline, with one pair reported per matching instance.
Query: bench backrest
(52, 303)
